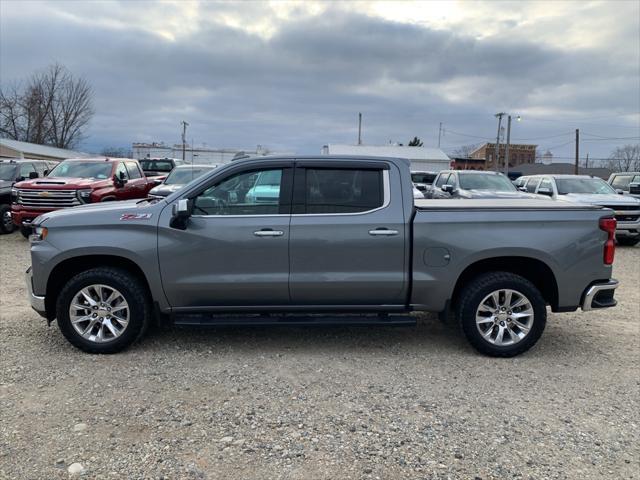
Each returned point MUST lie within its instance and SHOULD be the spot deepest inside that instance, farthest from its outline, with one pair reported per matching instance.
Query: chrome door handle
(268, 233)
(383, 231)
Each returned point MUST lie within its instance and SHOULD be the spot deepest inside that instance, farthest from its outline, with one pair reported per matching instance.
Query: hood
(494, 194)
(64, 183)
(102, 213)
(595, 199)
(5, 184)
(163, 190)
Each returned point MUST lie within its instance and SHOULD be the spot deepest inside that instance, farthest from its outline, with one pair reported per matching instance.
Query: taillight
(609, 226)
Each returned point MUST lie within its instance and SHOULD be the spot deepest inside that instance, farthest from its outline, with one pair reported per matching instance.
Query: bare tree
(53, 107)
(464, 151)
(625, 159)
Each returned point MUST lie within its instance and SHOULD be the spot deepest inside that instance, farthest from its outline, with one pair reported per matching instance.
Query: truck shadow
(428, 334)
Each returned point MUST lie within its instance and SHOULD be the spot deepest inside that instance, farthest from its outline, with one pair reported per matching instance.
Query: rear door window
(342, 190)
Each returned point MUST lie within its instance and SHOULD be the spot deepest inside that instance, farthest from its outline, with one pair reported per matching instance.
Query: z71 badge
(135, 216)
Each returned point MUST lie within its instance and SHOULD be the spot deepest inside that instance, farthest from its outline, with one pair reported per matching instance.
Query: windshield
(496, 183)
(7, 171)
(423, 177)
(156, 165)
(100, 170)
(595, 186)
(183, 176)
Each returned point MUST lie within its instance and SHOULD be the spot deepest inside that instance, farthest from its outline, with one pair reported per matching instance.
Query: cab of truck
(76, 182)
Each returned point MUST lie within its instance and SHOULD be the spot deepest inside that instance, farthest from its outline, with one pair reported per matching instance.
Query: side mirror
(20, 179)
(545, 191)
(522, 189)
(122, 179)
(447, 188)
(181, 213)
(619, 191)
(46, 172)
(33, 175)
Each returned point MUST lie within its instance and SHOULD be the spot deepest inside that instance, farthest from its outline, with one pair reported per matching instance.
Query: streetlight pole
(497, 154)
(506, 148)
(184, 140)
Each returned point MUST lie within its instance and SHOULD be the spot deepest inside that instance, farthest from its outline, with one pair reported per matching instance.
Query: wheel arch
(534, 270)
(69, 267)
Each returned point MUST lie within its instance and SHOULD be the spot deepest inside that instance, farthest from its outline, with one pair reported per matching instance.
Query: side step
(243, 320)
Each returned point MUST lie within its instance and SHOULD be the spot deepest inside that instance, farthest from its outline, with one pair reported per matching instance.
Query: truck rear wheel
(6, 222)
(501, 314)
(103, 310)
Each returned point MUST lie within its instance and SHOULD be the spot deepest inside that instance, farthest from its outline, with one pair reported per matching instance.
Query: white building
(15, 149)
(196, 154)
(422, 158)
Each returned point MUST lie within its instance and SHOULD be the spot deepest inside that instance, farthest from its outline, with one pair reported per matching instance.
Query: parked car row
(592, 191)
(29, 188)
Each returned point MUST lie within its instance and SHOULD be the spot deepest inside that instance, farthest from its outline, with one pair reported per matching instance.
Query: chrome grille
(48, 198)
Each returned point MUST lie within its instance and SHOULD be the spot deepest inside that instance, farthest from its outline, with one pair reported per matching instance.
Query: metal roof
(393, 151)
(27, 148)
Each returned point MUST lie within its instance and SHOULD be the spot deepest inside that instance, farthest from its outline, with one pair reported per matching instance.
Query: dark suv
(12, 171)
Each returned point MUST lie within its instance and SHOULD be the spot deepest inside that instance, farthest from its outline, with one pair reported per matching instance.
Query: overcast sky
(293, 76)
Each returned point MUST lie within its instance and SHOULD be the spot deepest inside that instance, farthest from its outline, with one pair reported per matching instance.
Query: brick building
(519, 154)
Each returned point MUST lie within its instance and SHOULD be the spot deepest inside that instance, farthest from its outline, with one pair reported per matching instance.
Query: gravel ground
(321, 402)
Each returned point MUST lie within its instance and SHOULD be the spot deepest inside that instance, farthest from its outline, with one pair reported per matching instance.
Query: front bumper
(37, 302)
(627, 229)
(600, 295)
(23, 217)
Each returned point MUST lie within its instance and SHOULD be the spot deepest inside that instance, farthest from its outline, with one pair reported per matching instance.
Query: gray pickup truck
(272, 240)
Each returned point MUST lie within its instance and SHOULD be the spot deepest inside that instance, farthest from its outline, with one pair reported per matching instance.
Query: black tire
(628, 242)
(474, 292)
(25, 231)
(6, 223)
(134, 293)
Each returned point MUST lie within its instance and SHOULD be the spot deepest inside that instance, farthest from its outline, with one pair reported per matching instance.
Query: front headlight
(39, 234)
(14, 195)
(85, 195)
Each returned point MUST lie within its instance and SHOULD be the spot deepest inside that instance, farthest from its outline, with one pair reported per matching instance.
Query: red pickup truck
(77, 182)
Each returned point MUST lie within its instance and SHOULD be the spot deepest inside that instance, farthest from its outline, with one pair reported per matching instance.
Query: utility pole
(184, 140)
(575, 167)
(439, 134)
(586, 164)
(359, 128)
(497, 157)
(506, 149)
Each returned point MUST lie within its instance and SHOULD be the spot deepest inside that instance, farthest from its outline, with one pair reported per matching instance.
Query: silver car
(593, 191)
(178, 178)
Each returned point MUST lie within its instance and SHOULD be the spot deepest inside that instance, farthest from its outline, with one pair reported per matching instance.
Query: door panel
(221, 261)
(343, 258)
(235, 249)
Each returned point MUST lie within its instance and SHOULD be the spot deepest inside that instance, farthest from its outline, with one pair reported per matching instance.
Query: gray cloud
(303, 86)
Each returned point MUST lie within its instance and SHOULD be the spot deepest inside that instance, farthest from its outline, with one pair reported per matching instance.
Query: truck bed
(499, 204)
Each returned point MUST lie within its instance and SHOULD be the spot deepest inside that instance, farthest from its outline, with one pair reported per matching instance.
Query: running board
(243, 320)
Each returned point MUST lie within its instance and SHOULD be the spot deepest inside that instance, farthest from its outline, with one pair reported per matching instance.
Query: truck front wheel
(501, 314)
(6, 222)
(103, 310)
